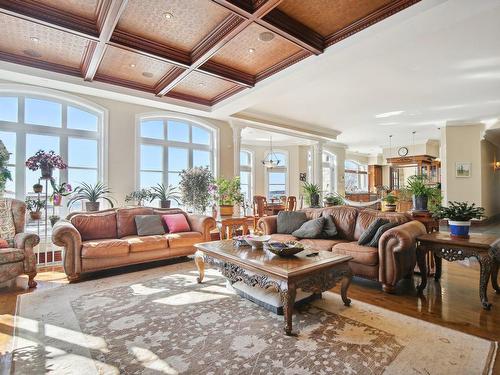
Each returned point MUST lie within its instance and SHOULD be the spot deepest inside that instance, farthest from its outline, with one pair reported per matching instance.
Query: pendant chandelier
(390, 150)
(271, 161)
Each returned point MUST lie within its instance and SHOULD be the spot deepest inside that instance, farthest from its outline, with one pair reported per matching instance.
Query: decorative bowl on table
(284, 249)
(257, 242)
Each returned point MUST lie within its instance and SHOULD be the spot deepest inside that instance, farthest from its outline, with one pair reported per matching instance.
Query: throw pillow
(368, 234)
(380, 231)
(310, 229)
(148, 225)
(289, 221)
(329, 228)
(176, 223)
(7, 227)
(3, 244)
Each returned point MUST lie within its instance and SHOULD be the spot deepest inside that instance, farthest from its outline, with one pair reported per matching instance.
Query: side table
(431, 226)
(485, 248)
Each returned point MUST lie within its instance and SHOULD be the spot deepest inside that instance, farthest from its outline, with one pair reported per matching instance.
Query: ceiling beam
(108, 20)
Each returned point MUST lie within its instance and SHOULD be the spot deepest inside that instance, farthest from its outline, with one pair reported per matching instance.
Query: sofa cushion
(149, 225)
(320, 244)
(380, 231)
(310, 229)
(146, 243)
(176, 223)
(368, 234)
(283, 237)
(289, 221)
(11, 255)
(105, 248)
(125, 222)
(183, 239)
(3, 243)
(329, 229)
(361, 254)
(367, 216)
(93, 226)
(344, 218)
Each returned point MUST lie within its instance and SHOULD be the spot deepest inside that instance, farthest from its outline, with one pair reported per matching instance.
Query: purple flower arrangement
(43, 159)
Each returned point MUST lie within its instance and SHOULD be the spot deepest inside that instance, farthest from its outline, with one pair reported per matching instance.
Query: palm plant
(311, 192)
(138, 196)
(333, 199)
(91, 194)
(165, 194)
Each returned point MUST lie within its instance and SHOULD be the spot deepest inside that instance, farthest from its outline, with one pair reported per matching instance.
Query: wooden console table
(485, 248)
(313, 274)
(431, 226)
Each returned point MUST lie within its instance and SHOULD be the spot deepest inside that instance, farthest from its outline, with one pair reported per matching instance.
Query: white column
(318, 164)
(236, 156)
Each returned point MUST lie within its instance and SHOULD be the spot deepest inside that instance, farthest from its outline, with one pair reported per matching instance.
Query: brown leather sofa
(107, 239)
(394, 258)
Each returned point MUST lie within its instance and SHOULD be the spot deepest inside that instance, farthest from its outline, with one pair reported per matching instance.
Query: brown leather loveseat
(394, 258)
(107, 239)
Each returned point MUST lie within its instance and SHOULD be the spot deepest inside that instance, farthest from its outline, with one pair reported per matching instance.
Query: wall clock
(403, 151)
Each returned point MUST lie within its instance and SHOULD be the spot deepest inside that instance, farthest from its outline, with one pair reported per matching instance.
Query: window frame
(332, 165)
(361, 172)
(282, 169)
(251, 170)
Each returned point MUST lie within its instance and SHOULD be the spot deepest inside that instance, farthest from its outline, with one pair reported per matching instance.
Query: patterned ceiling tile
(327, 17)
(203, 86)
(190, 21)
(83, 8)
(236, 54)
(50, 45)
(133, 67)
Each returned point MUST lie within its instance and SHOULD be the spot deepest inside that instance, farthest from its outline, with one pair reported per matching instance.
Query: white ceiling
(259, 137)
(435, 62)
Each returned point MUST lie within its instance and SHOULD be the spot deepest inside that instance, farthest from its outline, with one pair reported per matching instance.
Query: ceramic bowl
(257, 242)
(285, 249)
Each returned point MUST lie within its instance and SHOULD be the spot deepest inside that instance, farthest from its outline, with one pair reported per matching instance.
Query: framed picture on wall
(462, 169)
(302, 177)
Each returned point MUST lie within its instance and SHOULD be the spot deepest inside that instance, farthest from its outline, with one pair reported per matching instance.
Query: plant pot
(37, 188)
(315, 200)
(420, 203)
(390, 207)
(226, 210)
(92, 206)
(165, 204)
(54, 220)
(46, 172)
(36, 215)
(459, 229)
(56, 199)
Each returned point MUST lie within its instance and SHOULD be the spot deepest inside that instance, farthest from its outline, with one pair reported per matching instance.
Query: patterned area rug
(160, 321)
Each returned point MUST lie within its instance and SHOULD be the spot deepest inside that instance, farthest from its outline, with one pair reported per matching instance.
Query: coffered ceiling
(200, 51)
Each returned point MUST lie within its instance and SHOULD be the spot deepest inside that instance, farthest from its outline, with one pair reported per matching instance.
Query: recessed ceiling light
(266, 36)
(147, 74)
(34, 39)
(132, 65)
(32, 53)
(388, 114)
(168, 15)
(251, 50)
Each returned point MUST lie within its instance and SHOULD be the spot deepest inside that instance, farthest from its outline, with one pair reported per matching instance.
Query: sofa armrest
(397, 252)
(268, 224)
(27, 242)
(65, 234)
(203, 224)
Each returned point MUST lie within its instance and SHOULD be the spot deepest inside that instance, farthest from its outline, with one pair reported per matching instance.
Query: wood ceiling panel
(124, 65)
(86, 8)
(328, 17)
(192, 21)
(236, 54)
(52, 46)
(203, 86)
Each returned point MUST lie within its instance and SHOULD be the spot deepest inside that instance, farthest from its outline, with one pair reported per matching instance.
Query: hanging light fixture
(390, 150)
(271, 161)
(413, 152)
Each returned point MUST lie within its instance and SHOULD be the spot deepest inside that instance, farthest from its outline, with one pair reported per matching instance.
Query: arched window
(246, 163)
(167, 145)
(277, 177)
(356, 177)
(32, 119)
(329, 167)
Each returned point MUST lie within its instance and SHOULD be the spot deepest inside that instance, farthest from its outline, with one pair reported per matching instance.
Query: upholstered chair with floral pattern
(16, 247)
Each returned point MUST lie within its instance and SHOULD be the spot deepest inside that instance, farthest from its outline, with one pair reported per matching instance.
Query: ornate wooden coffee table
(313, 274)
(480, 246)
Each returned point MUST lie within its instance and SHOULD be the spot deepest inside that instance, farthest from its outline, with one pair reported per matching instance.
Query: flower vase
(46, 171)
(57, 199)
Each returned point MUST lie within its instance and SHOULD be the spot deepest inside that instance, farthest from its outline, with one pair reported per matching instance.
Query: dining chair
(291, 203)
(260, 209)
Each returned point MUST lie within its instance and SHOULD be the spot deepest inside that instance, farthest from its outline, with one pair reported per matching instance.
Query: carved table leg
(421, 251)
(346, 281)
(439, 266)
(31, 282)
(486, 263)
(494, 277)
(288, 300)
(200, 264)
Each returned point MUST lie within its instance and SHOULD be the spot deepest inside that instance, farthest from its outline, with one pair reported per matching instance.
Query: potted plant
(91, 194)
(459, 215)
(420, 191)
(165, 194)
(59, 191)
(54, 219)
(46, 162)
(227, 192)
(4, 171)
(37, 188)
(138, 196)
(34, 207)
(311, 192)
(333, 199)
(390, 202)
(194, 187)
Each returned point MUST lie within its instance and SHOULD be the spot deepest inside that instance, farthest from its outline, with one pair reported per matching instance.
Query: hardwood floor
(453, 302)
